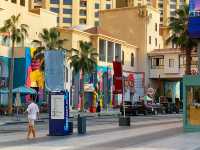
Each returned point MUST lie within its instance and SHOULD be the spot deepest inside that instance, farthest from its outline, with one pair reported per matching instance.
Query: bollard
(81, 124)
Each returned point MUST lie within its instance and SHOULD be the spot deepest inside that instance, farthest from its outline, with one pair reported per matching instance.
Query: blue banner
(54, 70)
(194, 19)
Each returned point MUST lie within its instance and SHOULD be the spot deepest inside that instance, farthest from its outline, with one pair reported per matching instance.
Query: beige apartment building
(138, 26)
(76, 12)
(36, 19)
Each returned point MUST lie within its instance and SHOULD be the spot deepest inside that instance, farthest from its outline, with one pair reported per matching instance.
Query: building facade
(76, 12)
(138, 26)
(109, 49)
(167, 68)
(36, 19)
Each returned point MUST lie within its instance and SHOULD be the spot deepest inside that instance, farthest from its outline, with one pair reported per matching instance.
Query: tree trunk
(188, 62)
(82, 92)
(198, 52)
(11, 75)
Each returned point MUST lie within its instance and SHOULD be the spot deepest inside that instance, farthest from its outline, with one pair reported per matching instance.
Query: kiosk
(58, 113)
(191, 103)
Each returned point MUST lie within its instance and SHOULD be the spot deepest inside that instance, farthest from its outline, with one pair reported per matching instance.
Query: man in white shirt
(33, 114)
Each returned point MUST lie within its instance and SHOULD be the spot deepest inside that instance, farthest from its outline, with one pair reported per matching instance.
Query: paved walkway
(148, 135)
(74, 113)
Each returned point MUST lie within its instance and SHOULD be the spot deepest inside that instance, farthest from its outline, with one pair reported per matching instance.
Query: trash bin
(70, 128)
(81, 124)
(124, 121)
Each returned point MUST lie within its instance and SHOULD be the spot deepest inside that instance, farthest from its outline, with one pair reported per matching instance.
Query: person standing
(33, 114)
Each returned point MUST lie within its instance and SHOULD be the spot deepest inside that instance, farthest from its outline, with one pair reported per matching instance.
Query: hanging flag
(118, 87)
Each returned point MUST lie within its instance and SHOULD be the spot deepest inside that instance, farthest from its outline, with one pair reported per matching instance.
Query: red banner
(118, 87)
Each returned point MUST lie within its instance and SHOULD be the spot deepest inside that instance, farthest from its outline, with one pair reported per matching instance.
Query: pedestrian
(98, 108)
(33, 114)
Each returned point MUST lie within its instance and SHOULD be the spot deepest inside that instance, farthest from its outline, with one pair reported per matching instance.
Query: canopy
(24, 90)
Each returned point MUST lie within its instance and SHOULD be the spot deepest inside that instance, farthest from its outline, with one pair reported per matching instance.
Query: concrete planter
(124, 121)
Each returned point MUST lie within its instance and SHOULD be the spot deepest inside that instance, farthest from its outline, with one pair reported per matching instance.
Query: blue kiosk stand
(58, 113)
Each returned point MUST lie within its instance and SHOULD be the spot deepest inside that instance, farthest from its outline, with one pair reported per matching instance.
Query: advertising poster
(194, 19)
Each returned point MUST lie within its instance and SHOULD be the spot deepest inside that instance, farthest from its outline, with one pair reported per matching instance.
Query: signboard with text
(118, 86)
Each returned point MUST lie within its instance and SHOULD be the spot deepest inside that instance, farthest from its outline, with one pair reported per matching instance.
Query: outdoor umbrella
(24, 90)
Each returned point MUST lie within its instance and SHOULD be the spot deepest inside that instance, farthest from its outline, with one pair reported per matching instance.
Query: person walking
(33, 114)
(98, 108)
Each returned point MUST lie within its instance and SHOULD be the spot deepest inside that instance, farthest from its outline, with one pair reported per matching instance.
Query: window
(171, 63)
(96, 23)
(67, 2)
(54, 1)
(82, 21)
(97, 14)
(182, 60)
(156, 27)
(110, 51)
(122, 57)
(14, 1)
(83, 12)
(108, 6)
(55, 10)
(149, 39)
(157, 62)
(58, 20)
(156, 42)
(22, 2)
(67, 11)
(132, 60)
(96, 5)
(67, 20)
(66, 74)
(102, 50)
(83, 3)
(118, 49)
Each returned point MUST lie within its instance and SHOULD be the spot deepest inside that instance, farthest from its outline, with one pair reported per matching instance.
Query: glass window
(156, 42)
(67, 20)
(67, 2)
(108, 6)
(14, 1)
(54, 1)
(96, 23)
(96, 5)
(110, 51)
(102, 50)
(82, 21)
(156, 27)
(171, 63)
(83, 12)
(132, 59)
(97, 14)
(83, 3)
(67, 11)
(55, 10)
(182, 60)
(122, 57)
(149, 39)
(22, 2)
(157, 62)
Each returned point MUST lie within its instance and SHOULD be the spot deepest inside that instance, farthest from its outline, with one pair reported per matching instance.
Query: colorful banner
(118, 87)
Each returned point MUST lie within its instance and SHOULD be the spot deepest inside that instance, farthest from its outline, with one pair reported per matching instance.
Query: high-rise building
(77, 12)
(167, 8)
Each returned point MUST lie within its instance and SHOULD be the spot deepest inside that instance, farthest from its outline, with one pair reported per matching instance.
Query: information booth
(191, 103)
(58, 113)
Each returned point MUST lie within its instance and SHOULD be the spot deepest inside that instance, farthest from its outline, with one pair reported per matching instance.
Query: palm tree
(180, 35)
(17, 33)
(49, 40)
(84, 61)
